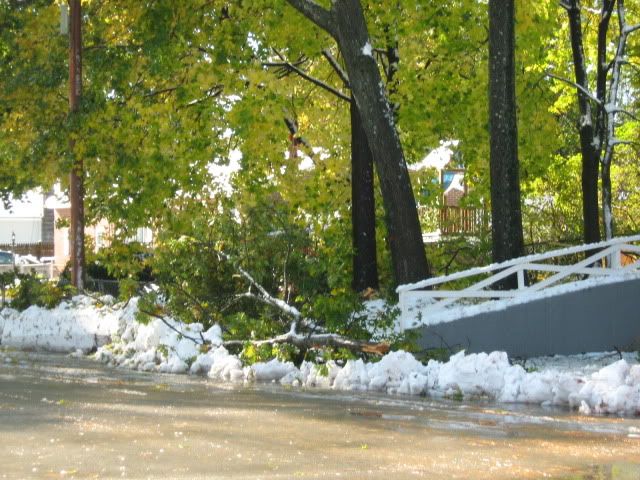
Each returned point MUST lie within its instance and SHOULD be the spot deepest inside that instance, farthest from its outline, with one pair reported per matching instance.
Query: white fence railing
(429, 298)
(47, 270)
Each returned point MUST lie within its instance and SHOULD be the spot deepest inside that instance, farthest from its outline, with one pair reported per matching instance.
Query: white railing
(430, 298)
(47, 270)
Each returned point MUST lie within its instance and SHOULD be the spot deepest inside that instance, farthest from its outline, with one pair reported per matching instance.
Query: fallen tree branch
(265, 296)
(315, 341)
(306, 342)
(168, 324)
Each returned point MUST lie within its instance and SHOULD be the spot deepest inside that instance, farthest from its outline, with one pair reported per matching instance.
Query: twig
(163, 320)
(313, 341)
(290, 67)
(574, 84)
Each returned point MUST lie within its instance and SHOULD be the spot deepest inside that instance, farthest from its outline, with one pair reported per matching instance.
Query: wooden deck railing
(457, 220)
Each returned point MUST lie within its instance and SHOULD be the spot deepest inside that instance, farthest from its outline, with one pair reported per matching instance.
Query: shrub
(30, 289)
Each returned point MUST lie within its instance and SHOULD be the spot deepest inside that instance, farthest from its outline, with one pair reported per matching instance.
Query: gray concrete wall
(595, 319)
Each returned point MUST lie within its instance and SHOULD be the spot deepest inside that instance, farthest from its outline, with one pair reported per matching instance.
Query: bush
(30, 289)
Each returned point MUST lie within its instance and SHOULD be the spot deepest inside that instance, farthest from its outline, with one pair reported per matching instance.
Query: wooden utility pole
(76, 181)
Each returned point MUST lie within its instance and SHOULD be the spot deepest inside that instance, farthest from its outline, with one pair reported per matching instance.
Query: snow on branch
(614, 109)
(311, 340)
(574, 84)
(263, 295)
(337, 67)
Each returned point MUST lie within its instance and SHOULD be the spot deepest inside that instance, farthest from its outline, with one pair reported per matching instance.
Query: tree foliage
(181, 129)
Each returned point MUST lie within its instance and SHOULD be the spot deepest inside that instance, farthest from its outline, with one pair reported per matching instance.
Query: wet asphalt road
(73, 418)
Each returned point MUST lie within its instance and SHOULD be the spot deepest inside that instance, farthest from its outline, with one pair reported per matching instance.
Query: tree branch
(213, 92)
(314, 12)
(337, 67)
(319, 83)
(631, 29)
(265, 296)
(574, 84)
(164, 320)
(623, 111)
(160, 92)
(314, 341)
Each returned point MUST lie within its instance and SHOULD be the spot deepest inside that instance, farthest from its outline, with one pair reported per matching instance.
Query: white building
(24, 219)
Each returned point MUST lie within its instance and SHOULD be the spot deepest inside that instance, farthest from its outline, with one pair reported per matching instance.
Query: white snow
(592, 383)
(367, 50)
(78, 324)
(437, 158)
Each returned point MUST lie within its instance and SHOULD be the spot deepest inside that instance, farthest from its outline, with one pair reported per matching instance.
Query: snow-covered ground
(591, 383)
(78, 324)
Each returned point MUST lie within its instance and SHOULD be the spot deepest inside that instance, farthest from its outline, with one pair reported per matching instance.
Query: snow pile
(79, 324)
(589, 383)
(165, 346)
(593, 384)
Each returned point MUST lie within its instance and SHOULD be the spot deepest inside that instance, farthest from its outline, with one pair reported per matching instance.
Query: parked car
(6, 258)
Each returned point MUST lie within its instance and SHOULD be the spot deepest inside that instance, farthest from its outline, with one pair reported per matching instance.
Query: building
(451, 217)
(38, 223)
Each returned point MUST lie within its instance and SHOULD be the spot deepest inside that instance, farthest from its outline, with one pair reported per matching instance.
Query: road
(63, 417)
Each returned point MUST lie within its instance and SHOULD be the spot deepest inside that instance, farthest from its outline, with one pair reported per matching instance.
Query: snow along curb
(593, 383)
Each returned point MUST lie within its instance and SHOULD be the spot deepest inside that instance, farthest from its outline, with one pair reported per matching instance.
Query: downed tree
(314, 339)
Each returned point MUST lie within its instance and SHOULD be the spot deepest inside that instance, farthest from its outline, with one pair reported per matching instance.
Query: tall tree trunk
(363, 209)
(76, 178)
(346, 23)
(507, 236)
(589, 147)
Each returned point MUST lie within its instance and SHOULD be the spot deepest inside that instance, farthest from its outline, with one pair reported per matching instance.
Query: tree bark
(76, 178)
(363, 214)
(507, 235)
(589, 145)
(346, 23)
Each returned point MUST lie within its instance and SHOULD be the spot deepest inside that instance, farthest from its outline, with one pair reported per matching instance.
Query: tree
(345, 22)
(76, 180)
(507, 240)
(363, 209)
(598, 112)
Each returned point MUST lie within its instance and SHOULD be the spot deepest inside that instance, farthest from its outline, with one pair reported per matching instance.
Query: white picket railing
(534, 273)
(47, 270)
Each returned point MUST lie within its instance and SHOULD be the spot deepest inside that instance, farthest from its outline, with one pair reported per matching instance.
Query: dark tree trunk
(507, 236)
(589, 148)
(363, 209)
(346, 23)
(405, 236)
